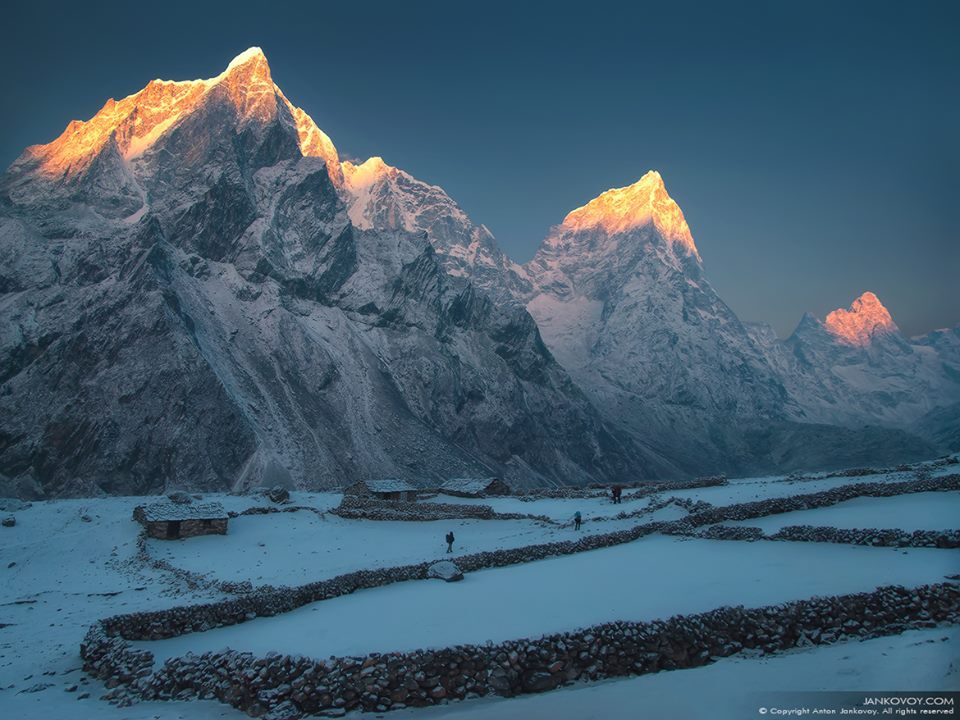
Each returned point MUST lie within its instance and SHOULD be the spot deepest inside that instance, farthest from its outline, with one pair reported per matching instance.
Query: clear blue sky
(813, 146)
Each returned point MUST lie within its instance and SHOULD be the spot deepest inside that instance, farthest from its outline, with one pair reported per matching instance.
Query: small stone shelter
(474, 487)
(388, 489)
(166, 520)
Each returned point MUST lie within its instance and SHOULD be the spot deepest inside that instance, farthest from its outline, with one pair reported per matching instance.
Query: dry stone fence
(279, 686)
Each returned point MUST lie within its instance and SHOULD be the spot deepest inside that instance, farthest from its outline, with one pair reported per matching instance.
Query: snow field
(918, 511)
(653, 578)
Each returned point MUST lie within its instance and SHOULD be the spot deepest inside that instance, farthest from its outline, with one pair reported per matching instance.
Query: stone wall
(371, 509)
(281, 686)
(356, 507)
(177, 621)
(774, 506)
(188, 528)
(270, 683)
(870, 536)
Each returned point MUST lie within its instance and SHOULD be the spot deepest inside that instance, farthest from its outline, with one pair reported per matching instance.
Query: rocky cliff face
(187, 301)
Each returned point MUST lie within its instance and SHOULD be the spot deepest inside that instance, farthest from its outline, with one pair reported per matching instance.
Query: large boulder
(445, 570)
(279, 494)
(10, 521)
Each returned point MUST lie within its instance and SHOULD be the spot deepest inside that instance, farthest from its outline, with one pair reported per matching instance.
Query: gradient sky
(814, 147)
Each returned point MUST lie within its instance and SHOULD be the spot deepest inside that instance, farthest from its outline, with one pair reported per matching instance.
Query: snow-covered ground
(59, 574)
(734, 688)
(919, 511)
(69, 563)
(300, 547)
(654, 577)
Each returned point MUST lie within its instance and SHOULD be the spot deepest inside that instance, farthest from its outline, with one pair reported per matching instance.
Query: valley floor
(68, 563)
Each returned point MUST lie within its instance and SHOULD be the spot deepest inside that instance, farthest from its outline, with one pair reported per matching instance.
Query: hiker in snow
(577, 519)
(450, 540)
(616, 492)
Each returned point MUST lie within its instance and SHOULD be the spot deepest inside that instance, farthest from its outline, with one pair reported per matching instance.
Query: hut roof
(389, 485)
(168, 511)
(467, 485)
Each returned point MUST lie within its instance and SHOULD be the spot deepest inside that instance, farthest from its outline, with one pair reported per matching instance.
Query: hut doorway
(173, 530)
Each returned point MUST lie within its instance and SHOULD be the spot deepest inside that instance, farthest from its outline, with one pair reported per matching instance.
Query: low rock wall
(355, 507)
(869, 536)
(282, 686)
(824, 498)
(257, 685)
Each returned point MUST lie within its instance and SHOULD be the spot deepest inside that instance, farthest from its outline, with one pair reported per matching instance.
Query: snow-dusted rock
(279, 494)
(445, 570)
(194, 301)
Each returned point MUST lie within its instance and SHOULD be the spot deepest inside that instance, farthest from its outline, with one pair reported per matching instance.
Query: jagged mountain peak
(620, 210)
(862, 321)
(250, 55)
(134, 124)
(364, 174)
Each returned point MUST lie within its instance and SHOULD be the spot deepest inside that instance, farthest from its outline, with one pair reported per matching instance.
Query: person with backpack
(577, 519)
(616, 492)
(450, 540)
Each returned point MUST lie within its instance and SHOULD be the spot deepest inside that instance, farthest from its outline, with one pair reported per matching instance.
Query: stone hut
(167, 520)
(389, 489)
(474, 487)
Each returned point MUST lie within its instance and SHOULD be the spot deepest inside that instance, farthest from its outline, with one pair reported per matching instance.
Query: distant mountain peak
(621, 210)
(862, 321)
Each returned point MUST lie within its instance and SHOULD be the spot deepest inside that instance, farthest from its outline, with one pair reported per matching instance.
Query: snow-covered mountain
(855, 366)
(619, 292)
(385, 198)
(195, 291)
(192, 294)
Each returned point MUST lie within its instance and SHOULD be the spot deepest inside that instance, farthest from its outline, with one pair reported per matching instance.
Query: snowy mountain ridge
(206, 315)
(196, 292)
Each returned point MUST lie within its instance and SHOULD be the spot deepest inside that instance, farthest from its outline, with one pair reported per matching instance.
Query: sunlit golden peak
(862, 321)
(246, 56)
(623, 209)
(366, 173)
(136, 122)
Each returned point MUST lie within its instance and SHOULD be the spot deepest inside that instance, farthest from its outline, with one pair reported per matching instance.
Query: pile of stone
(871, 536)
